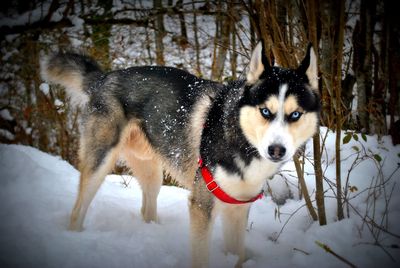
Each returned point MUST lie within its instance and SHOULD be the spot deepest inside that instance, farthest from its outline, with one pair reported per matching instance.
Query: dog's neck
(222, 139)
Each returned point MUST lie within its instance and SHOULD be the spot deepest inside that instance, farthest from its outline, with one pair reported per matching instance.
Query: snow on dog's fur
(162, 118)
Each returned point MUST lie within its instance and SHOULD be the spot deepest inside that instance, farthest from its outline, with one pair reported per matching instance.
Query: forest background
(356, 42)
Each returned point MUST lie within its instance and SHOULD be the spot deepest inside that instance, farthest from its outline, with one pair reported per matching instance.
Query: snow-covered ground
(37, 192)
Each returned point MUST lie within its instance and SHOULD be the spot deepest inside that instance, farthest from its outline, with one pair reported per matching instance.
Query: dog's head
(280, 107)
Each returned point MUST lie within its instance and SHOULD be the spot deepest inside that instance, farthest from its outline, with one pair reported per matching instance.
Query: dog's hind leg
(146, 167)
(234, 219)
(201, 206)
(149, 174)
(98, 154)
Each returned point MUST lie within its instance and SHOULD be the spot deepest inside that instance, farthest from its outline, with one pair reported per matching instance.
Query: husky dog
(162, 118)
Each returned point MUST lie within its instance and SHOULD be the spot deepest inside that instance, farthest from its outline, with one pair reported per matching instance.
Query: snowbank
(37, 192)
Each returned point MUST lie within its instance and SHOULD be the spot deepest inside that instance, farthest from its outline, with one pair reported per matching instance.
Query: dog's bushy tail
(74, 72)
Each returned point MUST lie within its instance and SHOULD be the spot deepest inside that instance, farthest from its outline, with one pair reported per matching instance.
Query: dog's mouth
(275, 160)
(278, 161)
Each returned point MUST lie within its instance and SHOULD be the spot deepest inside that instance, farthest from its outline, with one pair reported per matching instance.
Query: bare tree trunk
(196, 42)
(328, 100)
(282, 21)
(362, 42)
(183, 39)
(276, 19)
(252, 28)
(313, 25)
(381, 81)
(329, 20)
(159, 33)
(233, 54)
(259, 24)
(300, 176)
(394, 69)
(337, 79)
(217, 37)
(377, 104)
(224, 21)
(332, 50)
(319, 180)
(312, 13)
(101, 36)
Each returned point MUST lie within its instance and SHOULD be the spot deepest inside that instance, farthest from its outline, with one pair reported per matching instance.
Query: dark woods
(357, 44)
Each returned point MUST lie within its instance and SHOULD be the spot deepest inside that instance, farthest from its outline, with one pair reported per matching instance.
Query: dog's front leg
(201, 207)
(234, 223)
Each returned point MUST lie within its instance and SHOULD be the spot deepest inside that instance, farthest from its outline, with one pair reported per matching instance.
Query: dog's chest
(251, 179)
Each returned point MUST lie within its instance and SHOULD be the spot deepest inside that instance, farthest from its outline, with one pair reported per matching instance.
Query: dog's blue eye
(265, 113)
(293, 117)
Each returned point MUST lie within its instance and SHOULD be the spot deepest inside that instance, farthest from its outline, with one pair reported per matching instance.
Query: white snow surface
(37, 192)
(5, 114)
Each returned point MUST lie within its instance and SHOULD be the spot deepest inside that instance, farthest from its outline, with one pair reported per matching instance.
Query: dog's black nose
(276, 151)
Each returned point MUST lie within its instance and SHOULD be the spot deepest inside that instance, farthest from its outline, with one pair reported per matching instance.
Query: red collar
(214, 188)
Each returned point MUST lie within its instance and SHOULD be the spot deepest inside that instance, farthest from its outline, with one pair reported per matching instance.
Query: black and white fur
(162, 118)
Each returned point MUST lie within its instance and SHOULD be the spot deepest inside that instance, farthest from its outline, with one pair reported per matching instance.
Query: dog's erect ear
(309, 67)
(258, 64)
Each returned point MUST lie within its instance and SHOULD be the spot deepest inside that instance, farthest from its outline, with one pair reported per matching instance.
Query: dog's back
(166, 107)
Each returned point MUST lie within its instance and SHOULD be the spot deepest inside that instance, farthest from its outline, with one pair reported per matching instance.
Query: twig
(329, 250)
(286, 222)
(302, 251)
(304, 190)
